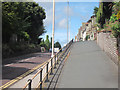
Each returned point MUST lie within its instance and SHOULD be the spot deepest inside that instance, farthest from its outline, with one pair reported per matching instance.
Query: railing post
(57, 58)
(55, 61)
(60, 56)
(41, 79)
(47, 72)
(29, 85)
(51, 66)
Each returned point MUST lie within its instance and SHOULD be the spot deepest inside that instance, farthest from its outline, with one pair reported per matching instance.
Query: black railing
(48, 67)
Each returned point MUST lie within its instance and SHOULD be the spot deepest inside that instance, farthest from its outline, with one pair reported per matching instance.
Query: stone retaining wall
(109, 45)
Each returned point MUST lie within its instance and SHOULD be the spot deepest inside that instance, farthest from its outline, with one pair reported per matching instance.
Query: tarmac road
(13, 70)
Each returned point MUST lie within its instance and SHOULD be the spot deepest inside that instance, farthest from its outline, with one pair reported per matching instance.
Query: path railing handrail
(49, 64)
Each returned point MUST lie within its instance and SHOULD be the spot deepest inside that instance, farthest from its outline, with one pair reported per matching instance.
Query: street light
(53, 27)
(67, 20)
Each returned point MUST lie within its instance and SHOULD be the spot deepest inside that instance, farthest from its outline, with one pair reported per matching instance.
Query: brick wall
(108, 44)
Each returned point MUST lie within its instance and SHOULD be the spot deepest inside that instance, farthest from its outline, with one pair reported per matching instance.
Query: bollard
(47, 72)
(41, 79)
(51, 66)
(29, 85)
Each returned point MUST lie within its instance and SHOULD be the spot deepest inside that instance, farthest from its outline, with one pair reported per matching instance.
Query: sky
(78, 12)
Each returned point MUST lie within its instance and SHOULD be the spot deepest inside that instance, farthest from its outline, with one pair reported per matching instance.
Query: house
(88, 29)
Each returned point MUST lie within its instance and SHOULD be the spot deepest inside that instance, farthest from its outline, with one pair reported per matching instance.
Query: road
(88, 67)
(21, 66)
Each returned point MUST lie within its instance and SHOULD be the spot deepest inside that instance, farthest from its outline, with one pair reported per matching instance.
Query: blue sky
(78, 12)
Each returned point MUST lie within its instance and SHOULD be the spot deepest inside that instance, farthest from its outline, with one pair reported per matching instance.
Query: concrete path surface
(88, 67)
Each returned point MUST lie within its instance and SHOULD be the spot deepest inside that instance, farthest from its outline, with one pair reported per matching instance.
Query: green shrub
(6, 50)
(32, 46)
(11, 50)
(87, 37)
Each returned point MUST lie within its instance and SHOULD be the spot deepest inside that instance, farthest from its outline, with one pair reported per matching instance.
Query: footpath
(88, 67)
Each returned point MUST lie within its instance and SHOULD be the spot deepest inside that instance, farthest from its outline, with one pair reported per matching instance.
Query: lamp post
(67, 20)
(53, 27)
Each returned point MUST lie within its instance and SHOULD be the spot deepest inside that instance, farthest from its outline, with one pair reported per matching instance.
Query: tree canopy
(95, 11)
(104, 12)
(25, 19)
(47, 42)
(57, 45)
(107, 18)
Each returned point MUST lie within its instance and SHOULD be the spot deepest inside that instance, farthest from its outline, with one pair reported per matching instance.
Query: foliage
(113, 18)
(42, 44)
(116, 7)
(104, 12)
(24, 35)
(100, 13)
(18, 49)
(114, 24)
(47, 43)
(6, 50)
(95, 11)
(51, 42)
(57, 45)
(87, 37)
(37, 14)
(116, 29)
(25, 19)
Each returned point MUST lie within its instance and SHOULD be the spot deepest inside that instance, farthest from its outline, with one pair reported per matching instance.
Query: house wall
(84, 36)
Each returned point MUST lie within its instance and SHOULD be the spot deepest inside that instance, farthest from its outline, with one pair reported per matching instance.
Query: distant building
(88, 29)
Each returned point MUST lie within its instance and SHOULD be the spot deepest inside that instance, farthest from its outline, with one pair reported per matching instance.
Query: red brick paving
(13, 70)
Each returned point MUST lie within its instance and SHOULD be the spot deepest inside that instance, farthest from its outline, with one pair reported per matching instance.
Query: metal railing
(47, 68)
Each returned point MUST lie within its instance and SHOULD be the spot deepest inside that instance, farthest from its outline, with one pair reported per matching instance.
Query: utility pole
(67, 20)
(53, 27)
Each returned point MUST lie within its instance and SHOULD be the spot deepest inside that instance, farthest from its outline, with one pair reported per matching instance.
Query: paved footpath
(88, 67)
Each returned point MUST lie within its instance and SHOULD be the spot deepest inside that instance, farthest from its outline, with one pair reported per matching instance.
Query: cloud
(62, 24)
(49, 17)
(83, 14)
(77, 14)
(61, 37)
(49, 12)
(66, 8)
(72, 13)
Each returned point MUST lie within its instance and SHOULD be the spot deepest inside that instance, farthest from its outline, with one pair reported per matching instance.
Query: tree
(104, 12)
(42, 44)
(95, 11)
(37, 14)
(25, 19)
(114, 21)
(12, 20)
(57, 45)
(51, 42)
(47, 43)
